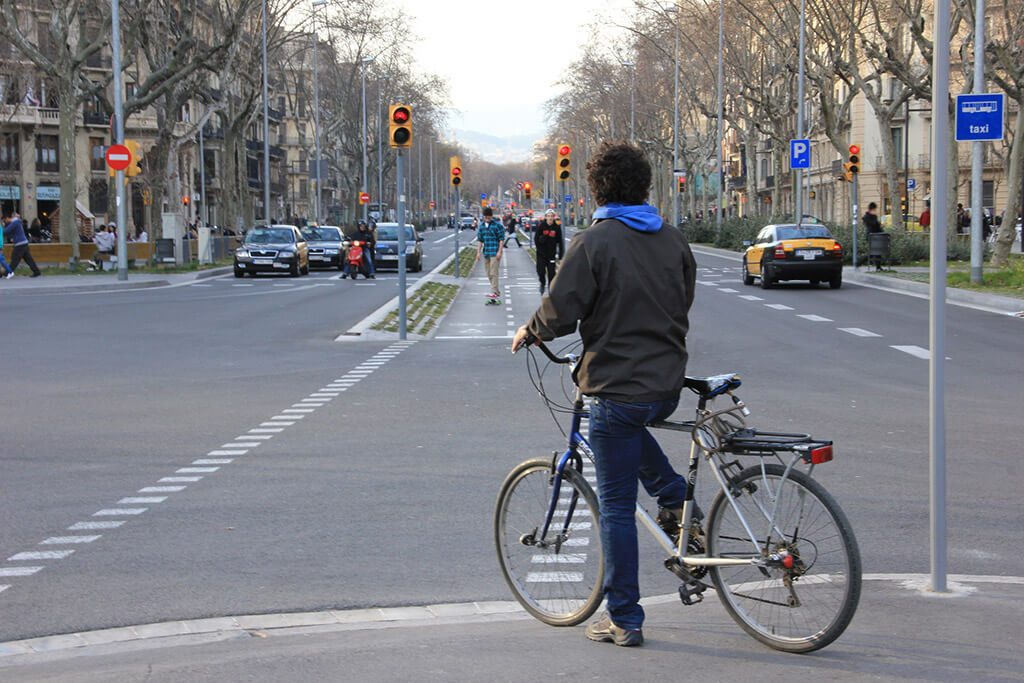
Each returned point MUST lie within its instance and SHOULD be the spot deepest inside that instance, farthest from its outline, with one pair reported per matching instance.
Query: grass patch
(467, 257)
(423, 310)
(1007, 281)
(82, 268)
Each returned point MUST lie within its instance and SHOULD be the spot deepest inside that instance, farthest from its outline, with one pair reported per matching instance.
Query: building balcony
(93, 118)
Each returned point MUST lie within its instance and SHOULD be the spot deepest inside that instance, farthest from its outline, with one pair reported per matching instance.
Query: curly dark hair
(488, 211)
(619, 172)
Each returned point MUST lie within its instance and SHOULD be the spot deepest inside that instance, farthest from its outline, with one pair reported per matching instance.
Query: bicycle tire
(826, 580)
(559, 597)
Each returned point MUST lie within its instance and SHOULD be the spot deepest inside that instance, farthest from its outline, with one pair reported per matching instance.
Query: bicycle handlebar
(532, 340)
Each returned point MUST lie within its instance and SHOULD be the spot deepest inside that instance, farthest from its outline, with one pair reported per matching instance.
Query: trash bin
(165, 250)
(878, 249)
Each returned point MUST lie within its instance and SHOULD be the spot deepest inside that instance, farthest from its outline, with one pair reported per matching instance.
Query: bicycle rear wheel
(797, 609)
(559, 578)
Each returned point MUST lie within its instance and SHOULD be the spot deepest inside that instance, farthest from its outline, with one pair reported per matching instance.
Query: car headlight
(286, 254)
(410, 249)
(242, 253)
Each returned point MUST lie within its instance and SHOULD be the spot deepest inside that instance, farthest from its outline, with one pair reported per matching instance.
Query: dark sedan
(325, 246)
(387, 247)
(273, 249)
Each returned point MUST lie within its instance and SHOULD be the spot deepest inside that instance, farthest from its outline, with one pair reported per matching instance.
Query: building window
(129, 91)
(303, 187)
(10, 159)
(99, 154)
(988, 194)
(47, 156)
(897, 141)
(98, 196)
(210, 162)
(764, 168)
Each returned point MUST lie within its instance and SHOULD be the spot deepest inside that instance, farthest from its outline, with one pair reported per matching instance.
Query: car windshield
(269, 236)
(329, 234)
(793, 232)
(390, 232)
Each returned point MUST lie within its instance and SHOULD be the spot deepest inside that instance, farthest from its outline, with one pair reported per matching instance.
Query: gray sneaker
(604, 631)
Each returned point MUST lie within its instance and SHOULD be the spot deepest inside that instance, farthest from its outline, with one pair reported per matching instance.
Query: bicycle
(778, 549)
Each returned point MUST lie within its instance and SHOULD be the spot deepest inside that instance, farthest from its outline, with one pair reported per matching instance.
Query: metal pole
(977, 231)
(458, 227)
(266, 126)
(122, 208)
(418, 208)
(366, 206)
(800, 113)
(316, 96)
(380, 152)
(400, 189)
(906, 159)
(204, 214)
(609, 87)
(721, 113)
(632, 106)
(674, 11)
(853, 201)
(433, 213)
(937, 305)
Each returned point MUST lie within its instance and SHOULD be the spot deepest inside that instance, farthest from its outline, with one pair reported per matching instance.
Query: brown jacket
(631, 293)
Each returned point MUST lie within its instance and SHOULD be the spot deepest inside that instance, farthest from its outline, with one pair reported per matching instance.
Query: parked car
(794, 252)
(387, 247)
(273, 249)
(325, 246)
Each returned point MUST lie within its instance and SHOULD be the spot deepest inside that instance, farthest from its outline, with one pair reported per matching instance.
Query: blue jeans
(3, 262)
(625, 453)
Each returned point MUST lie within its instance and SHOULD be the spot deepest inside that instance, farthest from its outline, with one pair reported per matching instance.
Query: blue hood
(642, 217)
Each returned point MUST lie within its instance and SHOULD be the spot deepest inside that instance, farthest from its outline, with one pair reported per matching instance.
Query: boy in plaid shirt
(490, 238)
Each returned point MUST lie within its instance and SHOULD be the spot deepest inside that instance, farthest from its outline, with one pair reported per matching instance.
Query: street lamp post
(366, 207)
(609, 87)
(674, 13)
(316, 122)
(266, 126)
(380, 149)
(632, 101)
(721, 113)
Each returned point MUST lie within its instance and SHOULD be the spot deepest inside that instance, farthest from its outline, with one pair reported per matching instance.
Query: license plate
(809, 254)
(317, 257)
(386, 257)
(262, 261)
(281, 265)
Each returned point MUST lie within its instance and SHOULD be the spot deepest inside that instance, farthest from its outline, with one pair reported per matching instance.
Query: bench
(59, 253)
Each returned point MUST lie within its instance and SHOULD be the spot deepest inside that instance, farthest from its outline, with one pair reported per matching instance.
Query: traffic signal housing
(455, 171)
(682, 185)
(852, 166)
(184, 200)
(133, 168)
(400, 124)
(527, 191)
(563, 167)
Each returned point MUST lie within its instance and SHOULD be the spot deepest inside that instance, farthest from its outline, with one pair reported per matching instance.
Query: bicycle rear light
(820, 455)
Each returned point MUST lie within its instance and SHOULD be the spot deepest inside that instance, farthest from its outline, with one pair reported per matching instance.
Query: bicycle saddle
(707, 387)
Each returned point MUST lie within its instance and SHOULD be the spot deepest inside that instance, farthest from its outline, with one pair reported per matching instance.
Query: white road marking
(213, 461)
(858, 332)
(287, 417)
(254, 436)
(3, 588)
(233, 451)
(137, 500)
(324, 394)
(40, 555)
(117, 512)
(68, 540)
(161, 489)
(196, 470)
(171, 480)
(554, 577)
(814, 318)
(915, 351)
(277, 423)
(751, 297)
(562, 558)
(243, 444)
(727, 290)
(90, 526)
(18, 571)
(299, 410)
(267, 430)
(780, 307)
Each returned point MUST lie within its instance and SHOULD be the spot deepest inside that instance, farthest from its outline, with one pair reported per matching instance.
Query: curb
(116, 286)
(361, 331)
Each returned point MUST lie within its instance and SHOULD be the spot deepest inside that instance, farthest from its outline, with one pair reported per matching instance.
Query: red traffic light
(854, 149)
(400, 115)
(527, 186)
(564, 150)
(184, 200)
(456, 171)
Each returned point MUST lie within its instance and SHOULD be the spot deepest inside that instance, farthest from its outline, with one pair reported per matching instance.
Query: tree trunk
(891, 159)
(1007, 231)
(68, 159)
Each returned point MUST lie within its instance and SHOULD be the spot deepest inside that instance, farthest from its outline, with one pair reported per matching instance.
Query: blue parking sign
(979, 117)
(799, 153)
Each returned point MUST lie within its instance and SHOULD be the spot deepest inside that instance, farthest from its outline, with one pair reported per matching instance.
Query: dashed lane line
(197, 470)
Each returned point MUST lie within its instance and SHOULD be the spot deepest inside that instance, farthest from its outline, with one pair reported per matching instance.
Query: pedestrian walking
(925, 221)
(871, 219)
(626, 283)
(547, 241)
(510, 228)
(489, 245)
(3, 261)
(14, 232)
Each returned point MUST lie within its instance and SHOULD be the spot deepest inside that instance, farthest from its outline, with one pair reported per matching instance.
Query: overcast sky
(502, 59)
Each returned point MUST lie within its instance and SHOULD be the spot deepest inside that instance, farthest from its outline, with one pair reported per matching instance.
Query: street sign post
(119, 157)
(979, 117)
(799, 154)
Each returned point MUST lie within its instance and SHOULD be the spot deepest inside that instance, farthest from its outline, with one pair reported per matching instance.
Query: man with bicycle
(628, 283)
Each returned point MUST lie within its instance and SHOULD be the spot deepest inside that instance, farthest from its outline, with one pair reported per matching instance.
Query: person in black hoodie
(626, 283)
(14, 232)
(547, 239)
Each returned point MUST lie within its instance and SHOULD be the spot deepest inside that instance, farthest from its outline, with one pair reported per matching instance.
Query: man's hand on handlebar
(523, 338)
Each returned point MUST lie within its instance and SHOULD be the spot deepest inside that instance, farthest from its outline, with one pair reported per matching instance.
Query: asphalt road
(382, 493)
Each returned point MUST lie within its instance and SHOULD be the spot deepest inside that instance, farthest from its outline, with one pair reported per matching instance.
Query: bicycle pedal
(692, 593)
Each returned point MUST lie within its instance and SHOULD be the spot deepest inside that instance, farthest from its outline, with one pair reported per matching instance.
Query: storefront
(47, 200)
(10, 199)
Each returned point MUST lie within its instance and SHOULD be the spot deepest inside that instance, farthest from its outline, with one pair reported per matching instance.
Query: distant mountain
(498, 150)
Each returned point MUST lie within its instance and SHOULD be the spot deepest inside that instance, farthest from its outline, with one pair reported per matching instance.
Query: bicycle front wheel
(557, 578)
(800, 608)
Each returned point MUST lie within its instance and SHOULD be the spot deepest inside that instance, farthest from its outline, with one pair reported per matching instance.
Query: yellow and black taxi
(273, 249)
(794, 252)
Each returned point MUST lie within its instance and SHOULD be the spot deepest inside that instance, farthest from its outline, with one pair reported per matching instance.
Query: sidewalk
(52, 284)
(900, 632)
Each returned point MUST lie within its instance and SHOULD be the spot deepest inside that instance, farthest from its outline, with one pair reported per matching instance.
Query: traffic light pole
(122, 208)
(854, 203)
(458, 228)
(400, 189)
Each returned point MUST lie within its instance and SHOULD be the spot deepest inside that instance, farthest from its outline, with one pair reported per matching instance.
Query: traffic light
(853, 165)
(903, 205)
(185, 200)
(562, 168)
(682, 185)
(455, 168)
(400, 121)
(134, 168)
(526, 188)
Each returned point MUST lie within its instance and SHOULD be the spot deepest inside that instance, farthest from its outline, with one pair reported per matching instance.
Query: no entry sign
(118, 157)
(364, 198)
